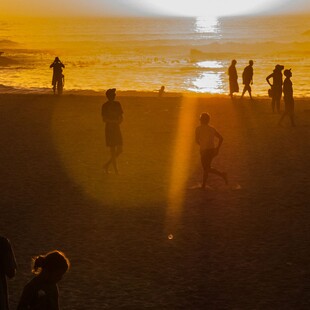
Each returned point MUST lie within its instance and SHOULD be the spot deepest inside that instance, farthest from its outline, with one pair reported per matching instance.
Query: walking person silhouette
(247, 79)
(233, 79)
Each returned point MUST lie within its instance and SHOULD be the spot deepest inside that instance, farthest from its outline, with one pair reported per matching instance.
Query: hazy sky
(148, 7)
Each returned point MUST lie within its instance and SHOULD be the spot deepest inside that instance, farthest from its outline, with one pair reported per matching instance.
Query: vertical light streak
(180, 164)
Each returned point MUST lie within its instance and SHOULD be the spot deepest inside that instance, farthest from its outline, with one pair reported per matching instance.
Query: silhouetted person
(288, 97)
(276, 86)
(112, 115)
(205, 137)
(233, 79)
(42, 291)
(7, 270)
(58, 77)
(161, 91)
(247, 79)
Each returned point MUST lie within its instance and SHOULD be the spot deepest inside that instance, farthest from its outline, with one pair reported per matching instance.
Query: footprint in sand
(198, 186)
(235, 187)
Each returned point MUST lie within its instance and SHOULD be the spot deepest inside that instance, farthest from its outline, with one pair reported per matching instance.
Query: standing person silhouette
(247, 79)
(161, 91)
(288, 97)
(276, 87)
(233, 79)
(205, 137)
(112, 116)
(42, 291)
(7, 270)
(58, 77)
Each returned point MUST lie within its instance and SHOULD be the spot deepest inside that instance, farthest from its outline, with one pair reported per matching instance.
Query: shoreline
(9, 90)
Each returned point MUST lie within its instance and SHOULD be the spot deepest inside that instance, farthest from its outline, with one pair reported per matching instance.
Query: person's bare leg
(292, 120)
(278, 105)
(108, 163)
(273, 104)
(282, 118)
(243, 92)
(204, 178)
(223, 175)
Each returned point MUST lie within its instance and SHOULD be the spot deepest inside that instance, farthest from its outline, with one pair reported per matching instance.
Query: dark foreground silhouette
(42, 292)
(7, 270)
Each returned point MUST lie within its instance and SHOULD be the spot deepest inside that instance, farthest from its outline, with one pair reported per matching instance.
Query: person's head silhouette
(279, 67)
(288, 73)
(205, 118)
(110, 93)
(53, 266)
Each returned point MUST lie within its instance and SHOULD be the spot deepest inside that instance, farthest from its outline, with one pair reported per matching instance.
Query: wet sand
(149, 237)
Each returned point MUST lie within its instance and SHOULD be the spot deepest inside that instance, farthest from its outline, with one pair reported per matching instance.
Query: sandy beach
(150, 238)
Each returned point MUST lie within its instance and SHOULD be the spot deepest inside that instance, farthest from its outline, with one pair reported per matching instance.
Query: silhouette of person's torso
(247, 74)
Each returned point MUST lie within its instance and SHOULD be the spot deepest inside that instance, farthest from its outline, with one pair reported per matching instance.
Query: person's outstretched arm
(268, 78)
(220, 141)
(9, 261)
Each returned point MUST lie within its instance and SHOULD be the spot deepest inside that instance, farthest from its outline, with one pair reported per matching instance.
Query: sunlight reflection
(180, 163)
(206, 24)
(208, 82)
(213, 64)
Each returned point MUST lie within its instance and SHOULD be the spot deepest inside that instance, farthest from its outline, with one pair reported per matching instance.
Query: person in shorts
(205, 138)
(112, 116)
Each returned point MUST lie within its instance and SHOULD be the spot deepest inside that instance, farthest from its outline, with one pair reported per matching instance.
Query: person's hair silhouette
(42, 292)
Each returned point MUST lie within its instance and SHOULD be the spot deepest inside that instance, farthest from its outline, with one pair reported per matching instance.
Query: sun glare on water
(207, 8)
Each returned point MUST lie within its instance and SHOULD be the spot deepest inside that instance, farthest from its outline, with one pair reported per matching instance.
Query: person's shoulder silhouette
(7, 269)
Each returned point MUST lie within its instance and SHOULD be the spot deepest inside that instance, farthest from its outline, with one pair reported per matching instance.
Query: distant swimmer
(205, 138)
(58, 77)
(288, 98)
(247, 79)
(233, 79)
(112, 116)
(276, 87)
(161, 91)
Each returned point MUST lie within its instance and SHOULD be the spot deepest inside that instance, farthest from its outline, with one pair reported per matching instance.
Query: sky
(149, 7)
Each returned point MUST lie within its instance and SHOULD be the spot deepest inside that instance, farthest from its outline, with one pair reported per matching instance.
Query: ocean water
(184, 54)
